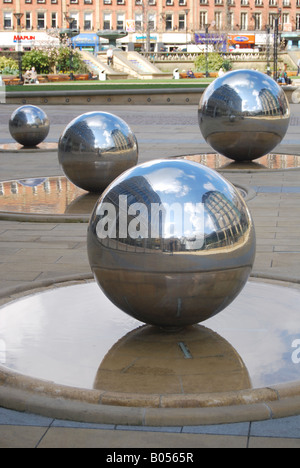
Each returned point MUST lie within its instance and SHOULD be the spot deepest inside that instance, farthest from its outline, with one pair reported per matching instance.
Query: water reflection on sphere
(171, 243)
(95, 148)
(29, 125)
(244, 115)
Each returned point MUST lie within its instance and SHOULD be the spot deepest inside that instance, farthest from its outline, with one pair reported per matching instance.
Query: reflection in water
(48, 195)
(269, 161)
(57, 195)
(149, 361)
(75, 336)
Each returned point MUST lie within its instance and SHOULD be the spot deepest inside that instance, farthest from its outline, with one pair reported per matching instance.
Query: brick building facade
(166, 20)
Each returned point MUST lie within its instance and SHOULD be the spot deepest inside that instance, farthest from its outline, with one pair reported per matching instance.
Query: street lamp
(276, 34)
(206, 50)
(186, 27)
(268, 29)
(71, 33)
(18, 17)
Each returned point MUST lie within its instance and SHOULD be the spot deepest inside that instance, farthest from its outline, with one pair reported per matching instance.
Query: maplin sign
(18, 38)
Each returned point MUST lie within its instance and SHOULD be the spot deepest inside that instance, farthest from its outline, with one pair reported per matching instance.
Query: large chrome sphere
(29, 125)
(244, 115)
(95, 148)
(171, 243)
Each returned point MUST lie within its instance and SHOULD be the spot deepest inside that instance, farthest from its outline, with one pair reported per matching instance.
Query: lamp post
(276, 34)
(206, 50)
(268, 29)
(18, 17)
(71, 33)
(186, 26)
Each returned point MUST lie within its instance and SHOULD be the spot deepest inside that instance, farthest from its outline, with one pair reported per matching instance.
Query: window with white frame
(54, 20)
(285, 18)
(120, 21)
(88, 21)
(244, 21)
(7, 20)
(218, 20)
(203, 19)
(138, 21)
(107, 21)
(28, 20)
(169, 22)
(152, 21)
(41, 20)
(181, 22)
(257, 21)
(74, 20)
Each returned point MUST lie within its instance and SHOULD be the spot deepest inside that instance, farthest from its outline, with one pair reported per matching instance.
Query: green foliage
(215, 62)
(8, 66)
(38, 59)
(68, 59)
(46, 61)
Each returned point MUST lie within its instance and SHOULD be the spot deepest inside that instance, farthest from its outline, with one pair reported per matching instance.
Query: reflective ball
(29, 125)
(244, 115)
(171, 243)
(95, 148)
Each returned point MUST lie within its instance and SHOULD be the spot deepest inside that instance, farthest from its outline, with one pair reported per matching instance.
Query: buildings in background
(173, 23)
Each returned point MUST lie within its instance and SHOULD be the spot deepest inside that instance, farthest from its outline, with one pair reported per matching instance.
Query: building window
(169, 2)
(120, 2)
(169, 22)
(41, 24)
(181, 22)
(257, 21)
(107, 2)
(298, 21)
(28, 20)
(120, 21)
(182, 2)
(107, 21)
(286, 18)
(152, 21)
(88, 2)
(203, 19)
(41, 1)
(138, 21)
(244, 21)
(244, 2)
(7, 1)
(88, 21)
(7, 20)
(218, 20)
(54, 2)
(54, 20)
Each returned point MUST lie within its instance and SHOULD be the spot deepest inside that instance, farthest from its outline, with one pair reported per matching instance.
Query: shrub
(8, 66)
(215, 62)
(38, 59)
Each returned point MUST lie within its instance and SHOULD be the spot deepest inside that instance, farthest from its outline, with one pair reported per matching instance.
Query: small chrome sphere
(29, 125)
(244, 115)
(95, 148)
(171, 243)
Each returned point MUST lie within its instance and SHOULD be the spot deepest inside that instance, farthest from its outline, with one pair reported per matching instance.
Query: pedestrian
(110, 56)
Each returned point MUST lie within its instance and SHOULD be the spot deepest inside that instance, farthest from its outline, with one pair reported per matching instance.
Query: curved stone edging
(24, 393)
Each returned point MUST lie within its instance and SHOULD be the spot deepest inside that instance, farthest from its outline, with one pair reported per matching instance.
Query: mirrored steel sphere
(171, 243)
(244, 115)
(95, 148)
(29, 125)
